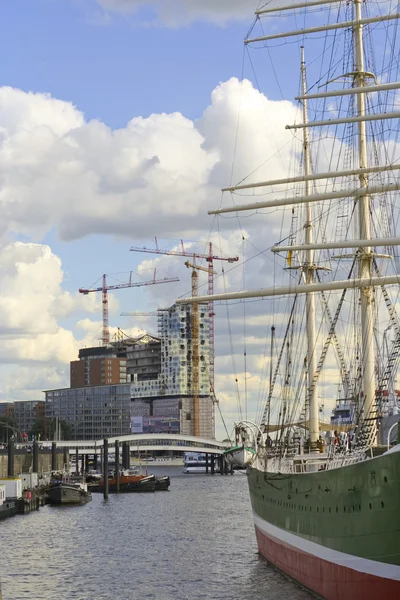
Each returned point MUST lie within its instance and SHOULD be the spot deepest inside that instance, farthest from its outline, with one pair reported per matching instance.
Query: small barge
(68, 491)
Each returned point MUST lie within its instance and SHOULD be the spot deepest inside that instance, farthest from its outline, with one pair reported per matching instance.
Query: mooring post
(212, 464)
(35, 457)
(105, 468)
(206, 462)
(126, 455)
(53, 456)
(10, 466)
(77, 460)
(117, 465)
(66, 459)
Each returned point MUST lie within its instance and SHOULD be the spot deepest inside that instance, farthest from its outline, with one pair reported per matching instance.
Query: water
(195, 542)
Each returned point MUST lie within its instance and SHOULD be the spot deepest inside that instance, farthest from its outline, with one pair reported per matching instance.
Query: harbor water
(195, 542)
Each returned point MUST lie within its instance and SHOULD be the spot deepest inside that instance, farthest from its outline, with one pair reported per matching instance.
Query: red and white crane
(210, 257)
(104, 289)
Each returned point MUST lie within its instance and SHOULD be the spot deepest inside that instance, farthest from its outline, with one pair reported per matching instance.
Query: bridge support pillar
(82, 464)
(221, 464)
(95, 461)
(231, 469)
(225, 466)
(86, 463)
(77, 460)
(207, 463)
(117, 465)
(10, 453)
(53, 456)
(105, 468)
(35, 458)
(212, 464)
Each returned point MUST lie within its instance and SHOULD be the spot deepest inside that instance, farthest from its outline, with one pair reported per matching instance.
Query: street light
(14, 429)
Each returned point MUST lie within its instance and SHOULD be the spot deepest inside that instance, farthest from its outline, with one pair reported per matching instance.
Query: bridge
(145, 442)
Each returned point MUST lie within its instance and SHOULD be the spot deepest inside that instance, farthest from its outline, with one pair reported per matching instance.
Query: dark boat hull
(61, 493)
(149, 483)
(162, 484)
(8, 509)
(337, 532)
(128, 487)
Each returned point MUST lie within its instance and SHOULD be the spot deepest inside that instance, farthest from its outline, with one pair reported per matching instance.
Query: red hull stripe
(363, 565)
(329, 580)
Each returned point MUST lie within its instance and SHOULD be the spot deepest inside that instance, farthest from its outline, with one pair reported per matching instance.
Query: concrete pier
(117, 465)
(10, 454)
(35, 457)
(126, 455)
(105, 468)
(66, 459)
(53, 456)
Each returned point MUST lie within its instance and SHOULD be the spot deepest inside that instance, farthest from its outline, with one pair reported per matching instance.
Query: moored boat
(239, 456)
(133, 481)
(8, 506)
(127, 485)
(67, 492)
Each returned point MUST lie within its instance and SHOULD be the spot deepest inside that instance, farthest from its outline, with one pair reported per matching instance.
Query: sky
(120, 121)
(103, 127)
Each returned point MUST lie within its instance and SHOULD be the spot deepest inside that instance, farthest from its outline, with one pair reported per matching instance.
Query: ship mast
(365, 255)
(309, 269)
(361, 193)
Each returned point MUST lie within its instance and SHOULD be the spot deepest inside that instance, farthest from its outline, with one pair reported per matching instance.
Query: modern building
(143, 384)
(27, 413)
(23, 413)
(7, 409)
(170, 394)
(97, 366)
(94, 412)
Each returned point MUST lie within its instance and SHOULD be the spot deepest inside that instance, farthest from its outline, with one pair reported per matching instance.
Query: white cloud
(33, 299)
(181, 12)
(156, 176)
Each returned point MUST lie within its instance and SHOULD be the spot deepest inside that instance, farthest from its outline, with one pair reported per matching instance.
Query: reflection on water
(194, 542)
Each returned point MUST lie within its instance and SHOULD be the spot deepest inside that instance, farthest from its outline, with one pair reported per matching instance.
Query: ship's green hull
(349, 516)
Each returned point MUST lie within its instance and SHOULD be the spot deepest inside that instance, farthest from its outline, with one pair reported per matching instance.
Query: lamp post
(14, 429)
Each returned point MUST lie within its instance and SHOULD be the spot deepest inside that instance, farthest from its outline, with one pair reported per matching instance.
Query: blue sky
(118, 69)
(112, 67)
(120, 120)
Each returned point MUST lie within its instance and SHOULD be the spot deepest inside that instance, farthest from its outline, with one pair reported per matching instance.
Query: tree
(46, 429)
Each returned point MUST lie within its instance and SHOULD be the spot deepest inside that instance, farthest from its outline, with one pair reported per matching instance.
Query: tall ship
(326, 495)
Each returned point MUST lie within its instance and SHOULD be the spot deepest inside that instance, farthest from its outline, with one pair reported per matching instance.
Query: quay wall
(23, 461)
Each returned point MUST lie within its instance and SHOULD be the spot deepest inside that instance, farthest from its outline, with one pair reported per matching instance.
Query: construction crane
(195, 343)
(210, 257)
(104, 289)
